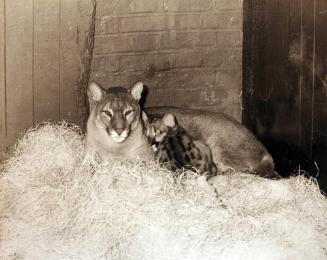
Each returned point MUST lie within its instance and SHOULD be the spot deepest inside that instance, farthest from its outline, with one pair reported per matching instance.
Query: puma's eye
(108, 113)
(128, 112)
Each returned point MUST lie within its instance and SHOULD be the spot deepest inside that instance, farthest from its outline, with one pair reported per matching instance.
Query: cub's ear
(169, 120)
(136, 90)
(94, 92)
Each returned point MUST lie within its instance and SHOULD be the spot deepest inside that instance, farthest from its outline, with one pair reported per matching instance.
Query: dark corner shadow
(289, 158)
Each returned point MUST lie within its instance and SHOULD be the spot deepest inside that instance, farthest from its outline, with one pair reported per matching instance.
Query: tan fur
(114, 127)
(232, 145)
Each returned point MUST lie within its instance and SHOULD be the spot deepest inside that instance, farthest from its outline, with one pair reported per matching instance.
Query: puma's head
(116, 110)
(158, 126)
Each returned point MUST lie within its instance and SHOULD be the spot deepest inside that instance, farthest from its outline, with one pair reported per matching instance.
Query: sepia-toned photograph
(163, 129)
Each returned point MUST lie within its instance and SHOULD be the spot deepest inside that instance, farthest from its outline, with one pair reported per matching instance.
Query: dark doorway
(285, 82)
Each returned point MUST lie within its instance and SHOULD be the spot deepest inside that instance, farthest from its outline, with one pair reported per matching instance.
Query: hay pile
(58, 204)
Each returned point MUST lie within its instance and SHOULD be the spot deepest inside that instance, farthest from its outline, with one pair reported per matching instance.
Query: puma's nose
(119, 130)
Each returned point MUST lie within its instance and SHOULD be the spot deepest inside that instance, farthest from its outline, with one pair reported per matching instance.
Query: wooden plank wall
(319, 98)
(2, 76)
(285, 80)
(40, 44)
(19, 66)
(46, 60)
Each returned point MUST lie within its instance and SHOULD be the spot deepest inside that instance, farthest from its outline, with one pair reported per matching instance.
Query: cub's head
(116, 110)
(157, 127)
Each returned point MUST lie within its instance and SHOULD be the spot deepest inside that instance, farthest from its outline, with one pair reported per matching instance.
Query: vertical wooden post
(69, 60)
(253, 30)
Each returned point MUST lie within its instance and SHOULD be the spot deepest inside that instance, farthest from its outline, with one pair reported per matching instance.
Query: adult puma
(232, 145)
(114, 126)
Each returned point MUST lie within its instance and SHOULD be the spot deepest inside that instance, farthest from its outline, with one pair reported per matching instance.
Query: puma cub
(175, 148)
(114, 126)
(232, 145)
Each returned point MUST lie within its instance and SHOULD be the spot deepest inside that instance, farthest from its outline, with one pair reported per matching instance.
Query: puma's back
(232, 145)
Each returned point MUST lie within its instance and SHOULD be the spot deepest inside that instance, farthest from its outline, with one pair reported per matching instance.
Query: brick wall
(188, 52)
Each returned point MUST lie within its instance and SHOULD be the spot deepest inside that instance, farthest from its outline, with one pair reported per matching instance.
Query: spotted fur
(175, 148)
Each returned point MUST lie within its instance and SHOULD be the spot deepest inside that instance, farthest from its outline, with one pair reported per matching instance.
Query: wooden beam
(69, 60)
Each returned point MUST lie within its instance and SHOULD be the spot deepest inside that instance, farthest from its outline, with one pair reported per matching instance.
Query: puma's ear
(95, 92)
(169, 120)
(136, 90)
(145, 117)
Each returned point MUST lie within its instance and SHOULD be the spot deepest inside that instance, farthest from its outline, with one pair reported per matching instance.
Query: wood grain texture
(320, 105)
(2, 72)
(306, 77)
(295, 71)
(285, 81)
(46, 60)
(19, 66)
(253, 40)
(69, 60)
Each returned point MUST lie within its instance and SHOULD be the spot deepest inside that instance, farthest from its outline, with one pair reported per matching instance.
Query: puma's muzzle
(118, 135)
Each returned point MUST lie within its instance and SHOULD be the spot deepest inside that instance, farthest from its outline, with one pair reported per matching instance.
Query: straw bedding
(56, 203)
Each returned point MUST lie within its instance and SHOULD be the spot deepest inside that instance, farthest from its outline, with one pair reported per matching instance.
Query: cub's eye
(108, 113)
(128, 112)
